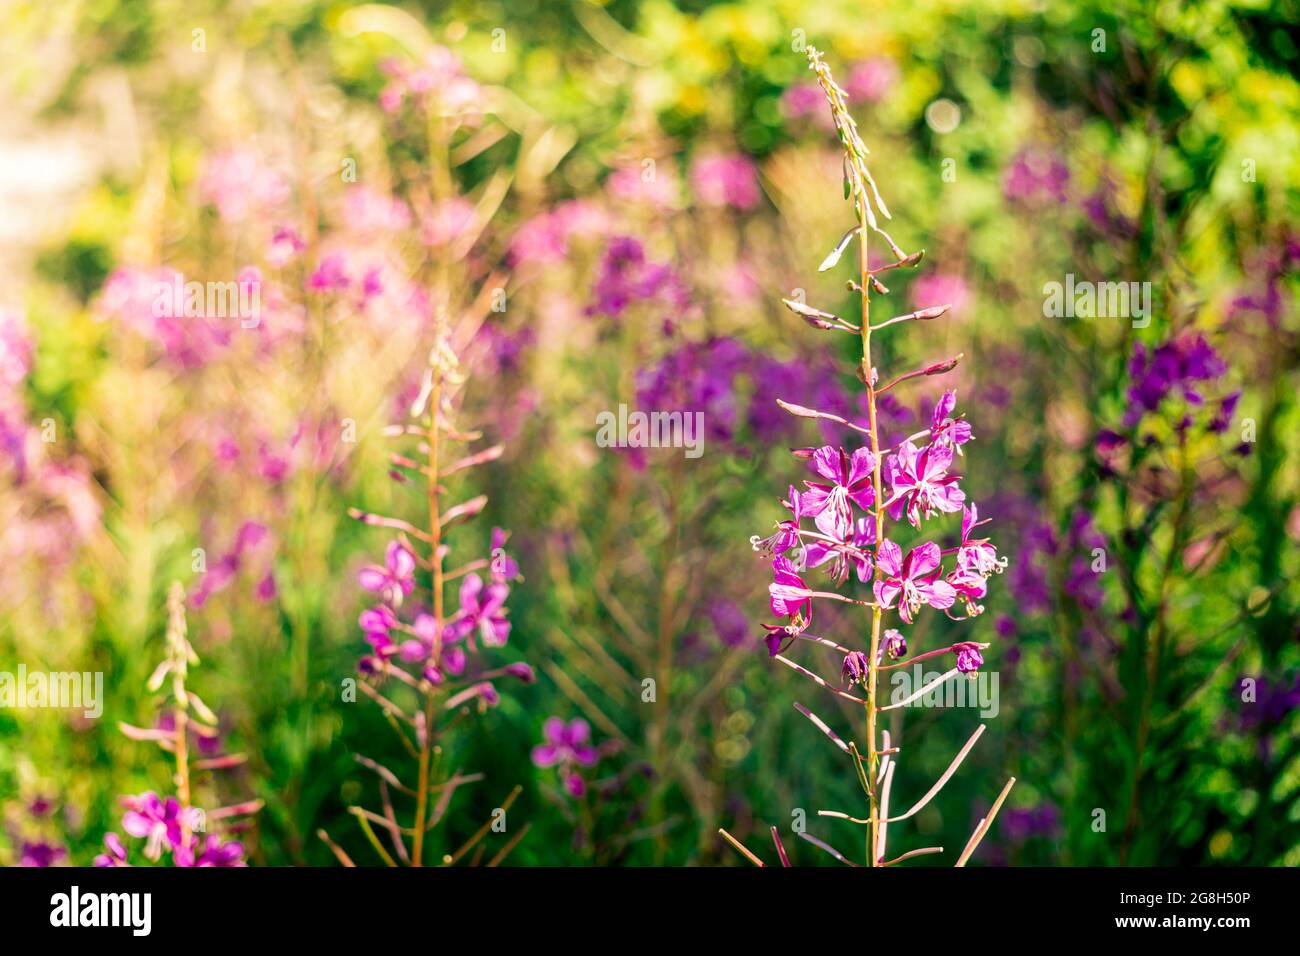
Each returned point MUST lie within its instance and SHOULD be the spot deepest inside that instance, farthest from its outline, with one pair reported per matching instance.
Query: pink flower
(855, 554)
(212, 852)
(921, 483)
(969, 657)
(368, 211)
(869, 80)
(447, 221)
(970, 587)
(545, 238)
(806, 99)
(790, 597)
(566, 746)
(850, 481)
(393, 581)
(156, 819)
(331, 275)
(855, 669)
(239, 183)
(116, 855)
(977, 555)
(892, 644)
(943, 428)
(912, 581)
(726, 180)
(438, 78)
(940, 288)
(787, 532)
(482, 608)
(657, 188)
(15, 351)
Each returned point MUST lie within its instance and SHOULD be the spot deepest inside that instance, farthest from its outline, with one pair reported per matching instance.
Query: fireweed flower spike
(168, 824)
(435, 638)
(849, 505)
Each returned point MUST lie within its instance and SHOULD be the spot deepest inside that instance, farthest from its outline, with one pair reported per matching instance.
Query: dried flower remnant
(850, 509)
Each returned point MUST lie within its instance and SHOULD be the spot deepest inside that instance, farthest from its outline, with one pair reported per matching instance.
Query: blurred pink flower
(658, 188)
(941, 288)
(15, 351)
(239, 183)
(871, 79)
(370, 211)
(726, 180)
(545, 238)
(439, 79)
(447, 221)
(804, 100)
(285, 246)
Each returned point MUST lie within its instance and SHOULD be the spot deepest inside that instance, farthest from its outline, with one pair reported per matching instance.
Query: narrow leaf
(838, 251)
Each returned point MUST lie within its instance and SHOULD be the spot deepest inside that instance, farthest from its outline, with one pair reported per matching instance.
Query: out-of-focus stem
(178, 650)
(440, 176)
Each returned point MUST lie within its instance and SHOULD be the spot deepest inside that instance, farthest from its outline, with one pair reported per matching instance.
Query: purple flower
(1178, 364)
(893, 644)
(157, 820)
(626, 278)
(40, 853)
(482, 608)
(331, 275)
(946, 430)
(789, 596)
(377, 622)
(855, 668)
(912, 581)
(1021, 824)
(212, 853)
(729, 622)
(566, 746)
(970, 587)
(1036, 177)
(969, 657)
(698, 377)
(851, 551)
(850, 481)
(1223, 417)
(921, 483)
(393, 581)
(565, 743)
(116, 855)
(787, 532)
(977, 555)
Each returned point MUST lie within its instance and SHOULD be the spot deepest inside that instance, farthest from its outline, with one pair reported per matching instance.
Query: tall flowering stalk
(188, 730)
(849, 501)
(418, 640)
(432, 650)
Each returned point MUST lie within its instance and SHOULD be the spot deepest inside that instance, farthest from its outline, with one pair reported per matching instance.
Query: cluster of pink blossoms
(437, 650)
(158, 822)
(842, 503)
